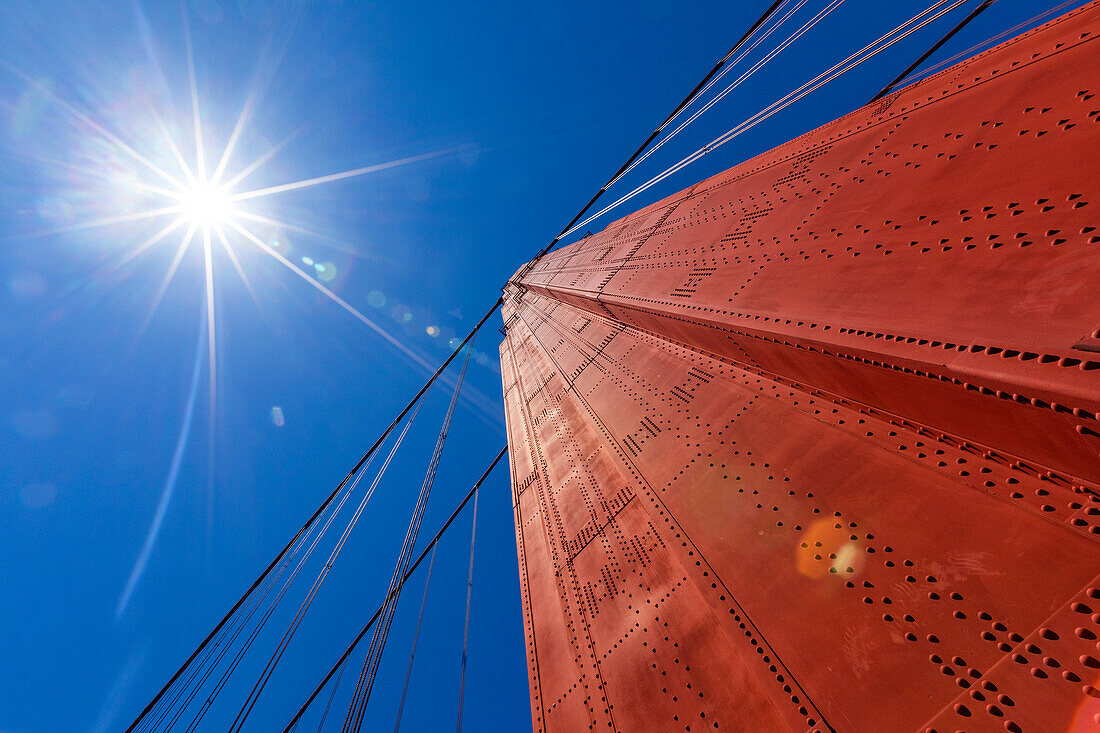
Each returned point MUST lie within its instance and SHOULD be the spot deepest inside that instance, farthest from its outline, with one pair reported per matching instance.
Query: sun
(201, 203)
(207, 205)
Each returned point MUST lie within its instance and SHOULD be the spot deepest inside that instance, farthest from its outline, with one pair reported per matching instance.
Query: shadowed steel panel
(814, 444)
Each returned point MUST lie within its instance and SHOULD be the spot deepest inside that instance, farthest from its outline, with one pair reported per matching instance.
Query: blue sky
(519, 111)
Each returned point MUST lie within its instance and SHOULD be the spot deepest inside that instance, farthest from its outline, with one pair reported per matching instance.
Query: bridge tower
(813, 444)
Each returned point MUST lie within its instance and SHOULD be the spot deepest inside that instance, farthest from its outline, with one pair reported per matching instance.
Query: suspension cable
(301, 563)
(810, 86)
(233, 631)
(355, 469)
(331, 697)
(309, 522)
(408, 573)
(277, 655)
(1031, 22)
(416, 638)
(917, 22)
(737, 82)
(859, 57)
(466, 632)
(354, 720)
(323, 529)
(679, 108)
(213, 655)
(935, 47)
(287, 584)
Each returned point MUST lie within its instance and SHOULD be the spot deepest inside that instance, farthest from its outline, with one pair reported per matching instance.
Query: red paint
(815, 442)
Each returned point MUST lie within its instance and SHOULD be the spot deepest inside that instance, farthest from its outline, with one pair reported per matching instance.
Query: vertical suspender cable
(466, 632)
(202, 670)
(416, 638)
(233, 634)
(301, 563)
(331, 697)
(408, 573)
(361, 696)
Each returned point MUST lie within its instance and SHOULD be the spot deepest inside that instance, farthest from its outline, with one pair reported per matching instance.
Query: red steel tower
(814, 444)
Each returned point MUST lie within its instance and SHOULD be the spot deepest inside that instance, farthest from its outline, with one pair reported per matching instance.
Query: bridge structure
(811, 445)
(814, 444)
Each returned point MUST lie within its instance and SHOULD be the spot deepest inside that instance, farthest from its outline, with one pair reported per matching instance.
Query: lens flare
(825, 549)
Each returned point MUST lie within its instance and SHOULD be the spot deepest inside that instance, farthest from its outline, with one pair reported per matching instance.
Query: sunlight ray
(107, 221)
(175, 149)
(333, 297)
(169, 484)
(200, 158)
(142, 186)
(136, 251)
(107, 270)
(254, 165)
(261, 219)
(340, 245)
(168, 276)
(211, 353)
(229, 146)
(236, 264)
(339, 176)
(95, 126)
(210, 320)
(96, 175)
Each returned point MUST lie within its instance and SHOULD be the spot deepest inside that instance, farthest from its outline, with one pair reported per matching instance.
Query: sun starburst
(194, 209)
(207, 208)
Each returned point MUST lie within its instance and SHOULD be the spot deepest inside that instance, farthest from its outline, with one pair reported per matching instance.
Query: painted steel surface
(814, 444)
